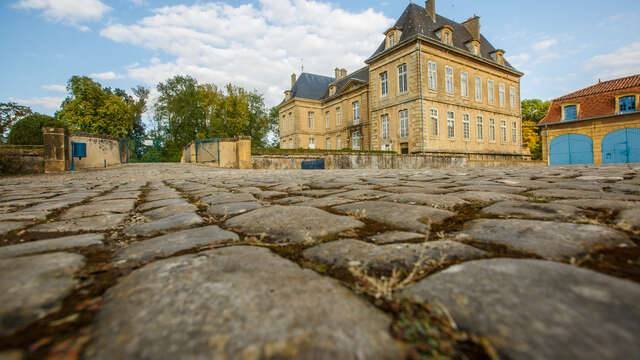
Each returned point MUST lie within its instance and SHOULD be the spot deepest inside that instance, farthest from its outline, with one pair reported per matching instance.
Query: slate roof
(311, 86)
(415, 20)
(595, 101)
(360, 76)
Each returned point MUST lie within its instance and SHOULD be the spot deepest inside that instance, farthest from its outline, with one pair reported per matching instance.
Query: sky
(561, 46)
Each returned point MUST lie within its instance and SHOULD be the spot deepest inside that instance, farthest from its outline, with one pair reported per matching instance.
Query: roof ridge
(577, 93)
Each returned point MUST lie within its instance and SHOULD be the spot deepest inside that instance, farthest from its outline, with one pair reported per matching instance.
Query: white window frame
(448, 76)
(512, 96)
(338, 143)
(464, 84)
(403, 119)
(466, 127)
(355, 140)
(312, 143)
(312, 120)
(447, 38)
(384, 84)
(492, 130)
(478, 88)
(480, 128)
(327, 119)
(502, 94)
(434, 123)
(433, 75)
(338, 116)
(490, 92)
(392, 39)
(451, 125)
(402, 79)
(328, 144)
(514, 132)
(356, 112)
(503, 131)
(384, 123)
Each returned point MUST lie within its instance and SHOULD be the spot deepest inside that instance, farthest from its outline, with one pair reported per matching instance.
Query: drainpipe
(421, 99)
(548, 146)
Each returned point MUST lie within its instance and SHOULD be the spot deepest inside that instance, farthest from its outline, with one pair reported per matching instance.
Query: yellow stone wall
(596, 129)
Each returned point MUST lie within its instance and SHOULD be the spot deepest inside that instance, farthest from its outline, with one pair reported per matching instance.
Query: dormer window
(445, 34)
(332, 90)
(569, 112)
(498, 56)
(627, 103)
(475, 49)
(447, 37)
(392, 39)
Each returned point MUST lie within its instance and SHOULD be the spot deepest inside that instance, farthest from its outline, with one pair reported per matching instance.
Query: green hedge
(258, 152)
(28, 130)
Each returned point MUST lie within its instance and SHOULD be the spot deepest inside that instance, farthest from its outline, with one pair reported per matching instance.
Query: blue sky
(561, 46)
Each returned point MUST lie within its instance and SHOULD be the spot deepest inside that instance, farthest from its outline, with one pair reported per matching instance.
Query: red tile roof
(595, 101)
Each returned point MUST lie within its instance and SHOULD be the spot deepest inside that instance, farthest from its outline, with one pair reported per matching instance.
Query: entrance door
(571, 149)
(621, 146)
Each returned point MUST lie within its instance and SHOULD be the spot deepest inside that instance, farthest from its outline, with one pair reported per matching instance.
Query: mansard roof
(415, 20)
(311, 86)
(358, 76)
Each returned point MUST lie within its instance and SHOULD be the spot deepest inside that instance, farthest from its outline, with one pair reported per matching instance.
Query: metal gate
(571, 149)
(207, 150)
(621, 146)
(140, 151)
(312, 164)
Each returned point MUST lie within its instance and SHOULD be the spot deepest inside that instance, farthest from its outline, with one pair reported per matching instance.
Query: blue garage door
(571, 149)
(622, 146)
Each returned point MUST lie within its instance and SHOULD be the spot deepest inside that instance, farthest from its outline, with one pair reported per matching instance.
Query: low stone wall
(101, 150)
(226, 152)
(21, 159)
(380, 161)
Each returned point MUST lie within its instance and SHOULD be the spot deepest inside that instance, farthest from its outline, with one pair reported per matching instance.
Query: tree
(91, 108)
(533, 111)
(274, 127)
(11, 112)
(28, 130)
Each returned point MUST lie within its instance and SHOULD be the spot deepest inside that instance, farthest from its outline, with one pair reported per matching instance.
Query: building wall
(101, 150)
(596, 129)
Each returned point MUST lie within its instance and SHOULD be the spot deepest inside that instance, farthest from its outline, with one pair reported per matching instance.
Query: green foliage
(11, 112)
(28, 131)
(94, 109)
(533, 111)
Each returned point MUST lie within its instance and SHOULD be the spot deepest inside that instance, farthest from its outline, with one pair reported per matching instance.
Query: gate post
(243, 153)
(56, 150)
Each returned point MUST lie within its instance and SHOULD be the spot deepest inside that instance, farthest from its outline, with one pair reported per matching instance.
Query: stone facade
(401, 95)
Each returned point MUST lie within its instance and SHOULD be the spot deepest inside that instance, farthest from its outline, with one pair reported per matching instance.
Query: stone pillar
(243, 153)
(56, 150)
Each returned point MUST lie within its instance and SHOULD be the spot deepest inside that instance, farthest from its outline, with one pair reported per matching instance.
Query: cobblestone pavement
(168, 261)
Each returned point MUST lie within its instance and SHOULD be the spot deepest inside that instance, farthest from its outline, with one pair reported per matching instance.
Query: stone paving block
(32, 287)
(346, 253)
(545, 238)
(324, 202)
(530, 210)
(160, 203)
(534, 309)
(167, 245)
(433, 200)
(63, 243)
(580, 194)
(493, 188)
(391, 237)
(162, 195)
(8, 226)
(223, 198)
(231, 209)
(292, 200)
(363, 194)
(599, 204)
(118, 196)
(237, 303)
(318, 192)
(402, 216)
(96, 223)
(100, 208)
(291, 224)
(178, 221)
(629, 219)
(166, 211)
(417, 189)
(486, 196)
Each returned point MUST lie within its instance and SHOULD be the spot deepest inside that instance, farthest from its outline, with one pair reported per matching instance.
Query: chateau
(433, 86)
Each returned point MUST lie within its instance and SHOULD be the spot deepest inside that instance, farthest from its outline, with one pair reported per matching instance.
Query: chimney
(293, 80)
(287, 94)
(473, 27)
(338, 73)
(430, 6)
(343, 73)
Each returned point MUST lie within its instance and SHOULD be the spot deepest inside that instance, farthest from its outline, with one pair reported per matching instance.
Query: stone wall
(21, 159)
(227, 153)
(102, 150)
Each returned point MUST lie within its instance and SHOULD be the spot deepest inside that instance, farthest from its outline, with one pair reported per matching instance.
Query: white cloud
(622, 62)
(47, 102)
(256, 47)
(109, 75)
(57, 88)
(544, 44)
(70, 12)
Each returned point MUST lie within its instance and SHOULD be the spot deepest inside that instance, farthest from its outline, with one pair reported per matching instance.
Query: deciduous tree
(11, 112)
(533, 111)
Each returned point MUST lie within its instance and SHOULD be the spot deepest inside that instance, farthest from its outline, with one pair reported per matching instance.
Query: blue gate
(313, 164)
(571, 149)
(621, 146)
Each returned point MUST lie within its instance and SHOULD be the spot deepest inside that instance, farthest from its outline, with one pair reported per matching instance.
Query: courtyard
(167, 261)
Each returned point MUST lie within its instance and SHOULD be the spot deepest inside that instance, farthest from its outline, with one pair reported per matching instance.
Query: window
(384, 84)
(311, 120)
(490, 92)
(338, 116)
(464, 84)
(503, 130)
(327, 119)
(512, 96)
(328, 144)
(433, 76)
(492, 130)
(479, 125)
(627, 104)
(447, 37)
(478, 88)
(338, 143)
(402, 78)
(386, 147)
(434, 122)
(332, 91)
(475, 49)
(385, 127)
(356, 140)
(448, 75)
(392, 39)
(501, 90)
(291, 143)
(312, 143)
(404, 123)
(514, 132)
(466, 127)
(356, 113)
(570, 112)
(451, 125)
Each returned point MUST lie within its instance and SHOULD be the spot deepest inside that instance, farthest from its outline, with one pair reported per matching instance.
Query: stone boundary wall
(102, 150)
(232, 153)
(381, 161)
(21, 159)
